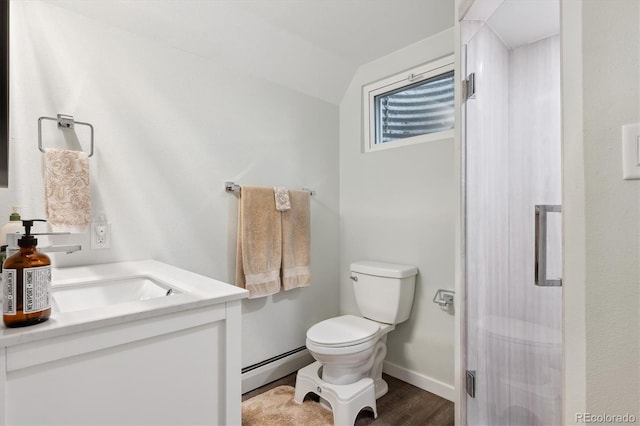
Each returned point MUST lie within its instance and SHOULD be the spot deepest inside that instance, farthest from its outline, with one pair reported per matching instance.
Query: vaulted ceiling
(313, 46)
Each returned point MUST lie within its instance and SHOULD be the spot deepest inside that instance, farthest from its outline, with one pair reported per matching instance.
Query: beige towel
(296, 241)
(67, 191)
(259, 251)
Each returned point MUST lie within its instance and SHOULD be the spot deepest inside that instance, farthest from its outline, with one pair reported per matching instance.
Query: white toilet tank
(384, 291)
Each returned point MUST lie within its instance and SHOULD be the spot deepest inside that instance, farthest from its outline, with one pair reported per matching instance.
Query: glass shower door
(513, 232)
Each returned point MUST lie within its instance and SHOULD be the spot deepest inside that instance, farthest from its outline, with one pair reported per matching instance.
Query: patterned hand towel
(67, 191)
(259, 250)
(296, 241)
(283, 201)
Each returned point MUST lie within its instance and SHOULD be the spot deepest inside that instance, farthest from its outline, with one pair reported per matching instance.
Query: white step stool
(346, 400)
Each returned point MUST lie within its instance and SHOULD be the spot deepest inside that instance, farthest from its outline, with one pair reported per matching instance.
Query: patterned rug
(277, 408)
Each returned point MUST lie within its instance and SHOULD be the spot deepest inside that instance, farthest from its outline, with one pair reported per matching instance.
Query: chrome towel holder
(230, 186)
(65, 122)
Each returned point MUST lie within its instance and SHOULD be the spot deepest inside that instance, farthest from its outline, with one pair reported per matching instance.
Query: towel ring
(65, 122)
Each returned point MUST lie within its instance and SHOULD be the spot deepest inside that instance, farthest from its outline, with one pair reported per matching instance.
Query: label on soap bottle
(36, 288)
(9, 291)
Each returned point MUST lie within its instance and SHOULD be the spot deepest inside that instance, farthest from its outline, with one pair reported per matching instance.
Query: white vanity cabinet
(162, 361)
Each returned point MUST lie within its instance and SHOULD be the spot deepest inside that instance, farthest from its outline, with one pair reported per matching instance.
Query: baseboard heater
(264, 372)
(273, 359)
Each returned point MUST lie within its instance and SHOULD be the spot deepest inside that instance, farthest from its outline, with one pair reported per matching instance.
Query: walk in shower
(512, 151)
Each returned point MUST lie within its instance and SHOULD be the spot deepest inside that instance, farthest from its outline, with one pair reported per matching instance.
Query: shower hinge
(471, 383)
(469, 86)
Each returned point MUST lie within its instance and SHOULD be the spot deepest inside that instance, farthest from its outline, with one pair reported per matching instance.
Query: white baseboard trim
(420, 380)
(275, 370)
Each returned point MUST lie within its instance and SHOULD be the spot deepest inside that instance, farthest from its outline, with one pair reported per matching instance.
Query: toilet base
(346, 400)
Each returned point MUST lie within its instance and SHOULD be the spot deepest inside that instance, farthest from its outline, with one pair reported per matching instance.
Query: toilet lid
(345, 330)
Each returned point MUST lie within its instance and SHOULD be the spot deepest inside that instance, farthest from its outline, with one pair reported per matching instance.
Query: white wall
(611, 95)
(398, 205)
(170, 128)
(601, 92)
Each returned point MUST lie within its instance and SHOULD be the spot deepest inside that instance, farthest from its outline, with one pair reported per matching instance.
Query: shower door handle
(541, 278)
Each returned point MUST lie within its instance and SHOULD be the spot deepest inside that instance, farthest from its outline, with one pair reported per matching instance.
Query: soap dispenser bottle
(26, 283)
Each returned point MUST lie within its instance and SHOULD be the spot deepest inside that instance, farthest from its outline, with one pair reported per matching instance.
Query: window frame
(406, 78)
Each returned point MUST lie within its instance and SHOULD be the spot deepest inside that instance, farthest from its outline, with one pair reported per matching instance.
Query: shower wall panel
(488, 221)
(535, 313)
(513, 163)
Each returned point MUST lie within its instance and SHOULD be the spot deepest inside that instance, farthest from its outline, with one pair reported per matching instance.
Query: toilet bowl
(349, 350)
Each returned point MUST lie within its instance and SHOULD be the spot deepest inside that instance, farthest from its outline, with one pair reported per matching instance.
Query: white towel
(67, 191)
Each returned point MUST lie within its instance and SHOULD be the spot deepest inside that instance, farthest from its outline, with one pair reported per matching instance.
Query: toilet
(349, 350)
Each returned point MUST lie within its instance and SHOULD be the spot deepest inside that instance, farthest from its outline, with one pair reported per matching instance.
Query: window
(408, 108)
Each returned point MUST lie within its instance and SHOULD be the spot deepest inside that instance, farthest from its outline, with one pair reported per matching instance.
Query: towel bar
(230, 186)
(64, 122)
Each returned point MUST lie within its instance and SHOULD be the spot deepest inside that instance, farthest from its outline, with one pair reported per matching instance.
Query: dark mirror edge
(4, 100)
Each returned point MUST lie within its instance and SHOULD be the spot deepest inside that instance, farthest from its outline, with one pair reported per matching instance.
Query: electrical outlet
(100, 235)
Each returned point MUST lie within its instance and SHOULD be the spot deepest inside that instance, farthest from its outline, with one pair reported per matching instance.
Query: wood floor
(403, 405)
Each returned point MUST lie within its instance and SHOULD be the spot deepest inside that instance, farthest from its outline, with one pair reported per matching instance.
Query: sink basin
(114, 331)
(96, 294)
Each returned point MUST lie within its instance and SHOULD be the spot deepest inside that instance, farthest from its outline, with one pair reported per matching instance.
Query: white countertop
(195, 291)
